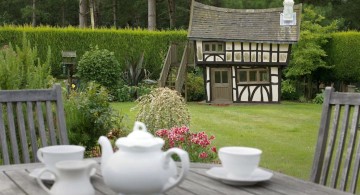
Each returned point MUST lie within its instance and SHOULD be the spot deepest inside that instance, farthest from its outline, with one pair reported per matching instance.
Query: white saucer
(259, 175)
(48, 176)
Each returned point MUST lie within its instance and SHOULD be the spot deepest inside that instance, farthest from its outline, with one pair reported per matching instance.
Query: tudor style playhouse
(242, 51)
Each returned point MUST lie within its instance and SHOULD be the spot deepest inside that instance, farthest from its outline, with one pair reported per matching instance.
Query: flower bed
(198, 145)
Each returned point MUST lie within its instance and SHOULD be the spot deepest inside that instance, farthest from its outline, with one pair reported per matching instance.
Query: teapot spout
(106, 150)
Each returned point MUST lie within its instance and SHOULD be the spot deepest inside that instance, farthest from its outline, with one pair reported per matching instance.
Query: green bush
(21, 68)
(163, 108)
(195, 87)
(101, 66)
(344, 54)
(126, 93)
(319, 98)
(288, 90)
(89, 115)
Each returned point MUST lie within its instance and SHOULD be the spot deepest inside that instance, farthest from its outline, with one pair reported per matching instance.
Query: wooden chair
(337, 155)
(30, 119)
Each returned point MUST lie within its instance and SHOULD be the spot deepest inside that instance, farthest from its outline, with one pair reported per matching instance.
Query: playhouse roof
(254, 25)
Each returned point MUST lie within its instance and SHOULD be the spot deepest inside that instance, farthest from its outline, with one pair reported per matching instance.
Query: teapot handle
(38, 179)
(184, 158)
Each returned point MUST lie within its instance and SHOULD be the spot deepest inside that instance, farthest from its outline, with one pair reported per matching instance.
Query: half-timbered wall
(244, 52)
(249, 92)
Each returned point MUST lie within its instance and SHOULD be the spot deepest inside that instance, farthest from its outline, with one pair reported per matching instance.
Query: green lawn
(286, 132)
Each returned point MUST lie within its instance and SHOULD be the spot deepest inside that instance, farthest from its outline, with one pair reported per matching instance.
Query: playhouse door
(221, 85)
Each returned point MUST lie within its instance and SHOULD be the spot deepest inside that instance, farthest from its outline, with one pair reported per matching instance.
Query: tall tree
(308, 55)
(152, 14)
(171, 9)
(83, 11)
(33, 21)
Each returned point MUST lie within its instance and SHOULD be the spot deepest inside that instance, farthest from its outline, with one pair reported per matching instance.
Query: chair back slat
(355, 175)
(30, 119)
(13, 139)
(350, 149)
(337, 154)
(340, 148)
(330, 146)
(3, 139)
(31, 128)
(61, 123)
(49, 116)
(23, 137)
(40, 120)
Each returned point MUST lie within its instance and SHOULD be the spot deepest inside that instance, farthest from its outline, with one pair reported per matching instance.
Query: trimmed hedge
(127, 44)
(344, 54)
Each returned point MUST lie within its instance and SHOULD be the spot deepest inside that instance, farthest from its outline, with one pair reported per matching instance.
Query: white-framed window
(255, 75)
(213, 47)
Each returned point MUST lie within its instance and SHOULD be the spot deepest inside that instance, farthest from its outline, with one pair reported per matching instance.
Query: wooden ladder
(173, 74)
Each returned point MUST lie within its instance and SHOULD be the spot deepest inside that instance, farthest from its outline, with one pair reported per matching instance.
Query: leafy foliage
(344, 54)
(21, 68)
(308, 56)
(195, 87)
(127, 44)
(288, 90)
(101, 66)
(89, 115)
(163, 108)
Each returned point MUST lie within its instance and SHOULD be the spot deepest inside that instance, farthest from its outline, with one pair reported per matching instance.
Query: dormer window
(213, 47)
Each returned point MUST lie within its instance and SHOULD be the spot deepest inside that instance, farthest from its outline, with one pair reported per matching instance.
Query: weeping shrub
(162, 108)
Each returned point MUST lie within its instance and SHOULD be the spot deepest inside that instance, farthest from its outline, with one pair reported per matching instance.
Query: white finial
(288, 9)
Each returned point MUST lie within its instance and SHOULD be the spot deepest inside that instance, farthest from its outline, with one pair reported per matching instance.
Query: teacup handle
(38, 179)
(184, 158)
(39, 155)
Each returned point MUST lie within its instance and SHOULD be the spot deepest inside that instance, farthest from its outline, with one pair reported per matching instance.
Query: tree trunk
(97, 15)
(33, 13)
(114, 12)
(63, 14)
(92, 20)
(83, 9)
(171, 8)
(152, 14)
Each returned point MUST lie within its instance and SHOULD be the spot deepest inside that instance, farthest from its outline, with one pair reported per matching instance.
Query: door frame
(228, 84)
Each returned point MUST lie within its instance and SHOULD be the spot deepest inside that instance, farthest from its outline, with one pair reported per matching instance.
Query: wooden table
(15, 179)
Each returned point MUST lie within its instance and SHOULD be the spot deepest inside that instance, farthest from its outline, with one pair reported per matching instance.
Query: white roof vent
(288, 17)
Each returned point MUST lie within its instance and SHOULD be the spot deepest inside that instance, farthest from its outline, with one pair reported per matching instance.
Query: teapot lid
(139, 137)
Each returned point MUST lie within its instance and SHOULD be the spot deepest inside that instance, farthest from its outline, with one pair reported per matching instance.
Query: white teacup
(239, 162)
(50, 155)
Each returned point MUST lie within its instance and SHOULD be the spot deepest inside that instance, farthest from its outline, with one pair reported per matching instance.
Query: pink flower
(213, 149)
(203, 155)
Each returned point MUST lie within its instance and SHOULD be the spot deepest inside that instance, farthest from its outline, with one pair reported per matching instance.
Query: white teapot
(140, 166)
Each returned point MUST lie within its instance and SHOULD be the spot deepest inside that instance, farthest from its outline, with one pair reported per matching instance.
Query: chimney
(288, 17)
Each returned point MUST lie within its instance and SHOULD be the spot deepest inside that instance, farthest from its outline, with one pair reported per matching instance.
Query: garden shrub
(162, 108)
(101, 66)
(125, 93)
(89, 115)
(195, 87)
(319, 98)
(21, 68)
(288, 90)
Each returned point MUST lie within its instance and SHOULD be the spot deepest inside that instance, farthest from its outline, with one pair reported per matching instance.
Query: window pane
(224, 76)
(263, 75)
(217, 77)
(242, 76)
(213, 47)
(252, 75)
(207, 47)
(220, 47)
